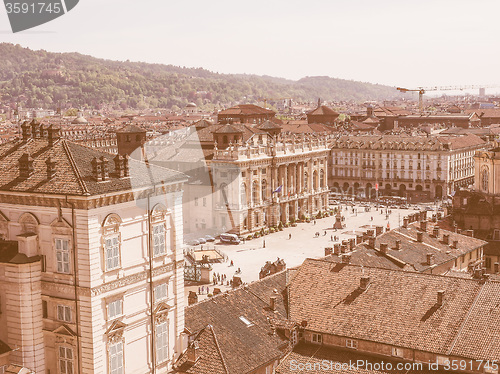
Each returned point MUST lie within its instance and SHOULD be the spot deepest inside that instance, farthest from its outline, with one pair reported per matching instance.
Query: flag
(278, 189)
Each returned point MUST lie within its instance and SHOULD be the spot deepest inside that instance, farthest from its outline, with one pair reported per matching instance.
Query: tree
(71, 112)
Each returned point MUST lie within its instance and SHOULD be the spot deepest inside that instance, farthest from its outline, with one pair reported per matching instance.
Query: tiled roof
(242, 348)
(399, 308)
(130, 129)
(322, 111)
(246, 109)
(73, 170)
(464, 141)
(338, 362)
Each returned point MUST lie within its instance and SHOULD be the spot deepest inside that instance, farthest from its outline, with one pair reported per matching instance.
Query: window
(116, 358)
(64, 313)
(161, 292)
(112, 251)
(317, 338)
(162, 342)
(158, 239)
(246, 321)
(115, 308)
(351, 343)
(65, 360)
(62, 255)
(397, 352)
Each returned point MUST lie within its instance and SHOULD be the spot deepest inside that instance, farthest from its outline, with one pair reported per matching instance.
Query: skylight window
(246, 321)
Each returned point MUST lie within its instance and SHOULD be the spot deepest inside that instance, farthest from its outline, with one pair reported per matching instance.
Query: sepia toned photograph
(266, 187)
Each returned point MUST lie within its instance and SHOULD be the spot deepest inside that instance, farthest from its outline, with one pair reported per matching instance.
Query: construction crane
(422, 90)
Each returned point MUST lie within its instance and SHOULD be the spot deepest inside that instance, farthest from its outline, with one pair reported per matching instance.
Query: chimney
(25, 166)
(383, 247)
(435, 232)
(420, 236)
(446, 239)
(363, 283)
(423, 225)
(193, 352)
(272, 302)
(405, 222)
(346, 259)
(328, 251)
(496, 267)
(371, 242)
(100, 169)
(440, 297)
(455, 244)
(26, 130)
(35, 129)
(51, 168)
(429, 259)
(398, 244)
(44, 131)
(54, 134)
(121, 166)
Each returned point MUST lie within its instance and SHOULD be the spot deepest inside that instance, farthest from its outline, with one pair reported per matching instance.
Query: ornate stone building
(416, 167)
(91, 265)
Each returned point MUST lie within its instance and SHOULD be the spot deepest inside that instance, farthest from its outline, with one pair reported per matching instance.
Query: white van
(229, 238)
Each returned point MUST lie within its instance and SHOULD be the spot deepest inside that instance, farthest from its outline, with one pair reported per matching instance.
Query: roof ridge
(483, 286)
(75, 168)
(216, 341)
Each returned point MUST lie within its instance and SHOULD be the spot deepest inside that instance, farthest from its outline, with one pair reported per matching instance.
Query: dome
(191, 105)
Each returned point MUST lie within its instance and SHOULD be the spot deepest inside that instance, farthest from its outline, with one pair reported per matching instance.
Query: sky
(403, 43)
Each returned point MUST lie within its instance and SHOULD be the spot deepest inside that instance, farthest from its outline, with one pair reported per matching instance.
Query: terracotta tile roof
(322, 111)
(243, 348)
(464, 141)
(245, 109)
(397, 308)
(73, 170)
(338, 362)
(268, 125)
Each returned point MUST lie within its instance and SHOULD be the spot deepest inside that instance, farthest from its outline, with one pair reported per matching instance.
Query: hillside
(46, 79)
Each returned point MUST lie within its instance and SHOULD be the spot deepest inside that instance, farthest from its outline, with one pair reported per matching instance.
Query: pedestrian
(202, 289)
(199, 291)
(324, 234)
(289, 236)
(314, 221)
(331, 237)
(208, 291)
(232, 264)
(263, 244)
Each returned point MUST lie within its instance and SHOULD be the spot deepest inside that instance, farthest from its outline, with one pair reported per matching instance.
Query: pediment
(64, 330)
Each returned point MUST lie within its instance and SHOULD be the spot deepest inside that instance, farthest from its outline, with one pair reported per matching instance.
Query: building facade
(418, 168)
(91, 265)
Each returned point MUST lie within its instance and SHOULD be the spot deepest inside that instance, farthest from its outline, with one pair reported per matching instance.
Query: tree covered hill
(46, 79)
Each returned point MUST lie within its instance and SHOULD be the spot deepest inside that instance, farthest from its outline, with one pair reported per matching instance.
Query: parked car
(202, 240)
(209, 238)
(193, 242)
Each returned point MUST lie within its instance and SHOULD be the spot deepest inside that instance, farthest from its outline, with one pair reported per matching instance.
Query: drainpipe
(151, 289)
(75, 284)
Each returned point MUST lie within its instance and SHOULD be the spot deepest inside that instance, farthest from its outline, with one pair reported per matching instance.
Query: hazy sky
(394, 42)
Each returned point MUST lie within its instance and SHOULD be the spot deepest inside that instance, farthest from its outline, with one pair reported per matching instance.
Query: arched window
(243, 194)
(263, 188)
(322, 178)
(485, 176)
(29, 224)
(111, 241)
(255, 192)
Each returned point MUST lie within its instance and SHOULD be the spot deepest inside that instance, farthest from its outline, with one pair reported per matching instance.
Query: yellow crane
(422, 90)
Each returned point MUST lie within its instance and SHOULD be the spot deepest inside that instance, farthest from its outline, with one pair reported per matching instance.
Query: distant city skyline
(389, 42)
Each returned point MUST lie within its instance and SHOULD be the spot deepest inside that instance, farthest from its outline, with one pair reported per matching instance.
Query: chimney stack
(446, 238)
(435, 232)
(121, 166)
(440, 297)
(100, 169)
(455, 244)
(363, 283)
(405, 222)
(35, 129)
(371, 242)
(51, 168)
(25, 166)
(398, 244)
(429, 259)
(54, 134)
(420, 236)
(193, 352)
(383, 248)
(423, 225)
(26, 130)
(272, 302)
